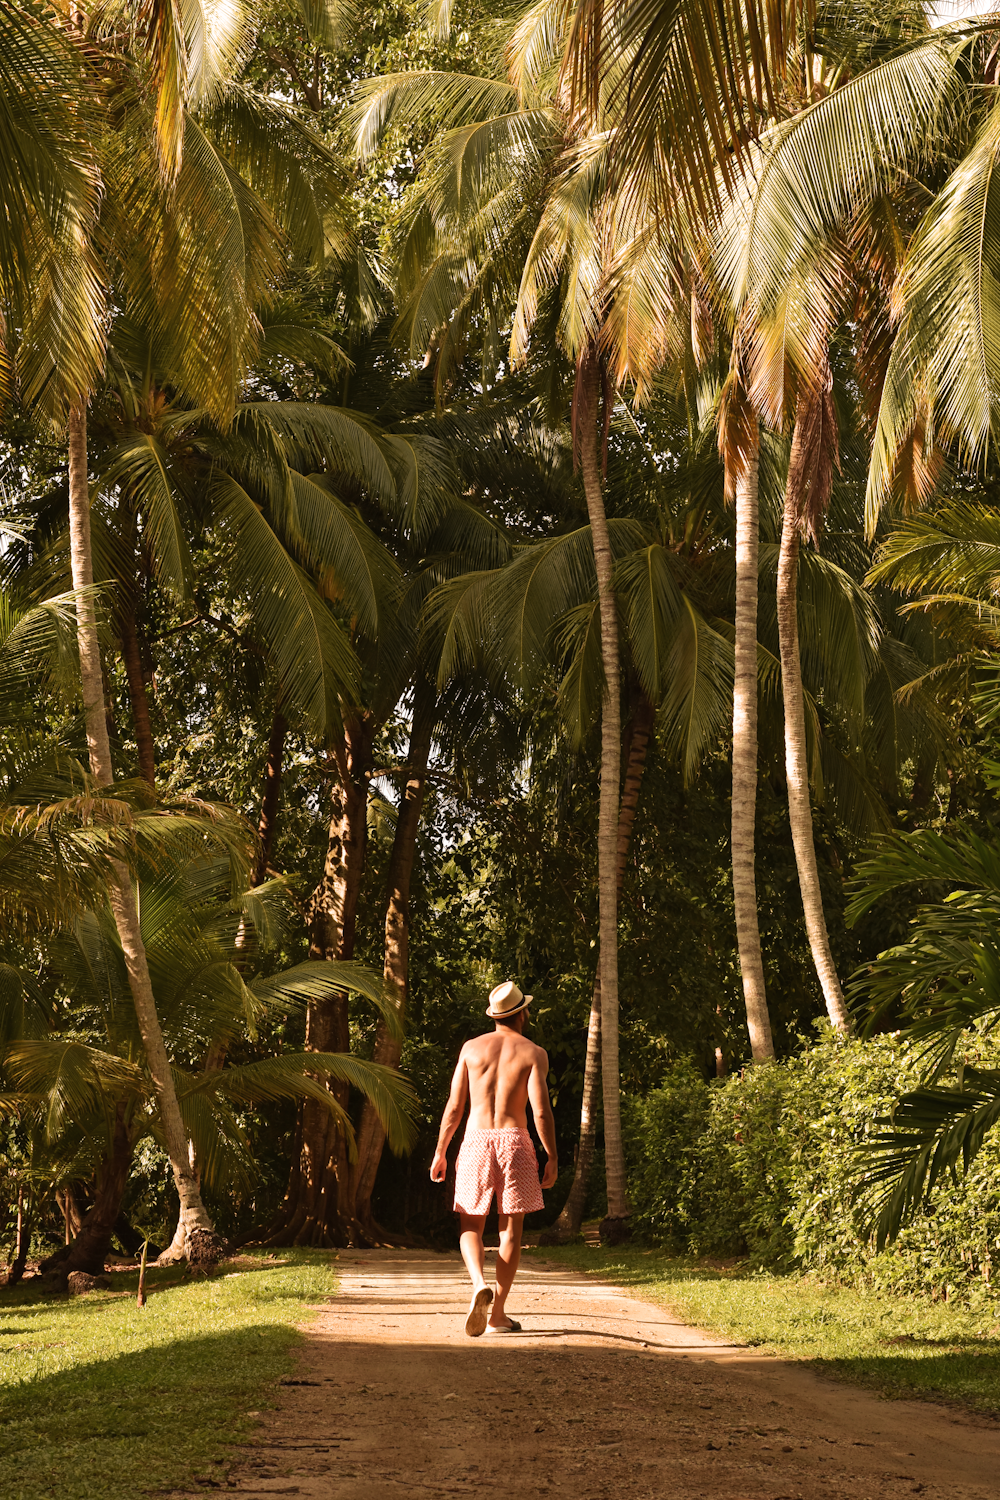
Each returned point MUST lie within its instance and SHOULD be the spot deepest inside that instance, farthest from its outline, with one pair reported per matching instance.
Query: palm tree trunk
(202, 1243)
(138, 696)
(93, 1239)
(371, 1135)
(312, 1210)
(272, 793)
(744, 807)
(796, 759)
(22, 1240)
(607, 820)
(567, 1226)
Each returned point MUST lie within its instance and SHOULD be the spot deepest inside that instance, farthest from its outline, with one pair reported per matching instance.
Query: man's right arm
(541, 1108)
(452, 1117)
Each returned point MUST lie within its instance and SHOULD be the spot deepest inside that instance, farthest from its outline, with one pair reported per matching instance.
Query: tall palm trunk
(313, 1209)
(569, 1221)
(218, 1049)
(396, 969)
(744, 807)
(202, 1243)
(796, 760)
(138, 695)
(587, 421)
(272, 793)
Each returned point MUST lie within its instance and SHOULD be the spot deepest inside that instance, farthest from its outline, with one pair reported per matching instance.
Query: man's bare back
(498, 1075)
(501, 1068)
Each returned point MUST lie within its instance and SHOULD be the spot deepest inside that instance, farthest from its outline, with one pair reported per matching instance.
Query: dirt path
(600, 1398)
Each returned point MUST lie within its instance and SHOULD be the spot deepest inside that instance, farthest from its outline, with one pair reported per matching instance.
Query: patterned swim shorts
(501, 1162)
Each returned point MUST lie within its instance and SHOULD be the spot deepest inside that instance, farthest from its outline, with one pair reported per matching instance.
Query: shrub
(764, 1165)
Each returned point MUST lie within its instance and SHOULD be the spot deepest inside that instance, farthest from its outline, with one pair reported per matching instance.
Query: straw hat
(506, 1000)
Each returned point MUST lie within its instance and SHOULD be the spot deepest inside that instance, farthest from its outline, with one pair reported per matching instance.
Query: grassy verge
(896, 1345)
(100, 1399)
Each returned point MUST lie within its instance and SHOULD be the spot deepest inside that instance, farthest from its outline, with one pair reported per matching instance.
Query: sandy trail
(601, 1397)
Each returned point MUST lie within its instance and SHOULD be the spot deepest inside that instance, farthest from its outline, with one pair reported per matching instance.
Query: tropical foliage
(376, 620)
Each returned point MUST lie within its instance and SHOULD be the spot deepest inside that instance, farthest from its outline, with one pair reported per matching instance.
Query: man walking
(499, 1074)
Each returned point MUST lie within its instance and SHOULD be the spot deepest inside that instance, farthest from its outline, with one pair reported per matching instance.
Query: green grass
(100, 1399)
(897, 1345)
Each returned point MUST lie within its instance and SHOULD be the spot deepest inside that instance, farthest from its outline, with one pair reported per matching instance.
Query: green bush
(764, 1165)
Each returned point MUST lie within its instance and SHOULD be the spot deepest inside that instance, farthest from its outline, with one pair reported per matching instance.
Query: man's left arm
(452, 1118)
(541, 1109)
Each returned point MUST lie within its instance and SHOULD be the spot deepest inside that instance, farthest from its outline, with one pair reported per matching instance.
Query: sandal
(475, 1323)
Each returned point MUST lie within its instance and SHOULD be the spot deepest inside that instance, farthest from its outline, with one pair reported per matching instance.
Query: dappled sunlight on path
(602, 1397)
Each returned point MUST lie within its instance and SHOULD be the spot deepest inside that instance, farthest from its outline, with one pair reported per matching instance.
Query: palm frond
(442, 100)
(344, 555)
(307, 643)
(944, 371)
(932, 1132)
(318, 979)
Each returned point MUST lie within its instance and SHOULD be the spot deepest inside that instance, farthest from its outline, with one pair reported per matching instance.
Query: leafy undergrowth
(900, 1346)
(100, 1399)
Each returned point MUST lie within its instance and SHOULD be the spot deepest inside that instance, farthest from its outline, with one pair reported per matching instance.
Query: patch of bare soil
(601, 1397)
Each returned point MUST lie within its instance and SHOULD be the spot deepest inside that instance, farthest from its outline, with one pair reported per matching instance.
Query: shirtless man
(499, 1073)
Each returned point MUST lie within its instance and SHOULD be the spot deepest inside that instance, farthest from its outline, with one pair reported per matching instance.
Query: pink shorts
(501, 1162)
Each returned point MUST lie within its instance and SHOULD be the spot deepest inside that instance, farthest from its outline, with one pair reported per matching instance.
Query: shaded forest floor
(602, 1397)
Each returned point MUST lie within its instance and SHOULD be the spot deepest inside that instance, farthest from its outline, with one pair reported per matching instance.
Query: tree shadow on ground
(136, 1420)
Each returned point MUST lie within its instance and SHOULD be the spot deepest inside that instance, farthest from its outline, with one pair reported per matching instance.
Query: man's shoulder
(537, 1053)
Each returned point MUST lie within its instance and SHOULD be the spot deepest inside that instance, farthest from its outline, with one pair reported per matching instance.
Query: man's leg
(508, 1260)
(472, 1253)
(472, 1247)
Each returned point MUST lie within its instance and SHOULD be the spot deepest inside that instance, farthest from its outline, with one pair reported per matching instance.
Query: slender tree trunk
(744, 807)
(371, 1135)
(138, 695)
(272, 793)
(796, 758)
(202, 1243)
(312, 1211)
(568, 1223)
(22, 1238)
(607, 822)
(73, 1214)
(218, 1050)
(93, 1239)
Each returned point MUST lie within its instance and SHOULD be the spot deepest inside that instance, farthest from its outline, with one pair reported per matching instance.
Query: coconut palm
(195, 247)
(203, 946)
(491, 240)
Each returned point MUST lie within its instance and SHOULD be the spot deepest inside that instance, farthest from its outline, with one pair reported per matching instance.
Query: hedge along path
(602, 1397)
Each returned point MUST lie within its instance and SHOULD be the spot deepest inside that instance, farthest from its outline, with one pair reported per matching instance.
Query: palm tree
(540, 614)
(176, 210)
(203, 944)
(486, 237)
